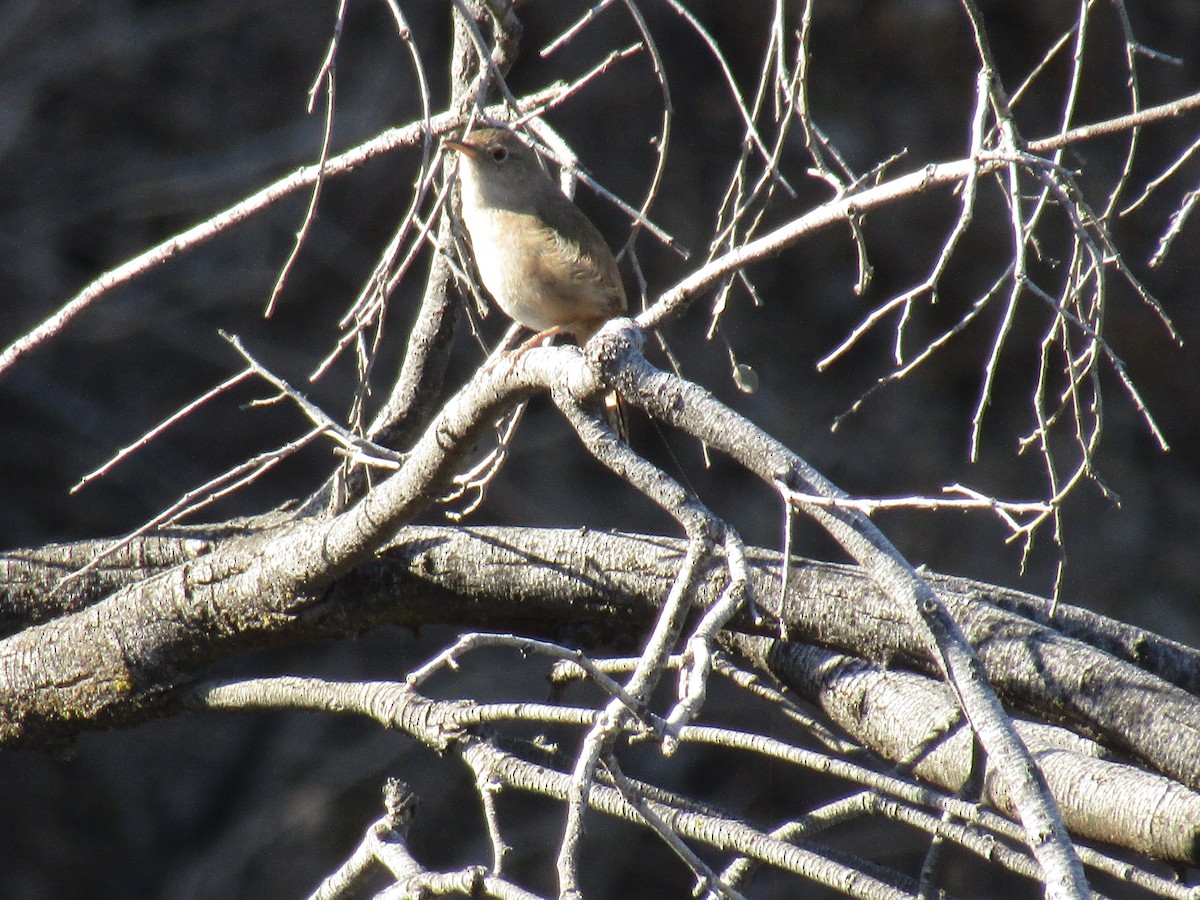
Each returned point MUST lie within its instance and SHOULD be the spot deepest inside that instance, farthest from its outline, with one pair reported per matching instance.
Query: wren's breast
(497, 252)
(520, 262)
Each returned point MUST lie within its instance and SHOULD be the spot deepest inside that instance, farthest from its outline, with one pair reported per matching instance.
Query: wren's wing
(573, 244)
(579, 248)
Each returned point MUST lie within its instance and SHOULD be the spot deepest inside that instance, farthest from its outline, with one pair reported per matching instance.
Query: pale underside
(548, 282)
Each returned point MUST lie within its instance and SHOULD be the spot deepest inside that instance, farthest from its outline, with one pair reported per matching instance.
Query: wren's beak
(466, 148)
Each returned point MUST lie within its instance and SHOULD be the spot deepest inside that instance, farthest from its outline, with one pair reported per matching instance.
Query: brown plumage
(539, 257)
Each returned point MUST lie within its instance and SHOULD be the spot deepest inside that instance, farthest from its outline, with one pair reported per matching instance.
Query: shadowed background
(124, 123)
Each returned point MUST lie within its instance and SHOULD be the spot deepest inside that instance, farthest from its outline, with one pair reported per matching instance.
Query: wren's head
(499, 170)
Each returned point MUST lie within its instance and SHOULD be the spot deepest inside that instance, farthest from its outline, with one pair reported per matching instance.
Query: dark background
(124, 123)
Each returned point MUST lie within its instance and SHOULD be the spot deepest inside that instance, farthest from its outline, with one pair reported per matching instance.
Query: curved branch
(674, 301)
(403, 136)
(693, 410)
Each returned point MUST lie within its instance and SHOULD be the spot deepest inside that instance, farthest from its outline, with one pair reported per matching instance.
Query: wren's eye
(499, 154)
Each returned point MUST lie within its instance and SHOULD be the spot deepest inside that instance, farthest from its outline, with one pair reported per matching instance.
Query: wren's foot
(541, 339)
(511, 356)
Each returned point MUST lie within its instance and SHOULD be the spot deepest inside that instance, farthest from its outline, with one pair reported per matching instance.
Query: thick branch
(523, 579)
(684, 405)
(112, 658)
(914, 721)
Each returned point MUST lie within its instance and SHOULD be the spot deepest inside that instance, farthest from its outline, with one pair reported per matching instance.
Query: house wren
(542, 260)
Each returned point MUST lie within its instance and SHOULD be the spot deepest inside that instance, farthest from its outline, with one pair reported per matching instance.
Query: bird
(542, 260)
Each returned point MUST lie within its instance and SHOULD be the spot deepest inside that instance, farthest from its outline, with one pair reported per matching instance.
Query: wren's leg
(541, 339)
(538, 340)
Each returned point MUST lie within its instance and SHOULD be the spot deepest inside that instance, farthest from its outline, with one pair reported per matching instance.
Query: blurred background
(122, 123)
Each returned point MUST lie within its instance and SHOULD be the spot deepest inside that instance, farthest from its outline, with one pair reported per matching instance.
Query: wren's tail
(616, 415)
